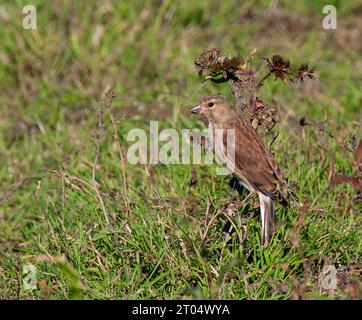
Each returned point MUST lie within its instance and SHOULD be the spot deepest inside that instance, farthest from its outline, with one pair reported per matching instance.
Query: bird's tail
(268, 218)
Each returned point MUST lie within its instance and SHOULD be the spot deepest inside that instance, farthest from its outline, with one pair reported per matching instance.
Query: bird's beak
(195, 109)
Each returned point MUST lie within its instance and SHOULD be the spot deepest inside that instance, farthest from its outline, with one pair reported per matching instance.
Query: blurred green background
(56, 188)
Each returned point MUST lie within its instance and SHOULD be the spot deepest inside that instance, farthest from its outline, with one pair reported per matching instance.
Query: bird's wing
(253, 159)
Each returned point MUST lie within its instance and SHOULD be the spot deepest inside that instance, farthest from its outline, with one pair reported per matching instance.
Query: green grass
(52, 81)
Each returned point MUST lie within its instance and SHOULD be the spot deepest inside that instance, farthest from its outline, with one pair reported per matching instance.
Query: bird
(253, 164)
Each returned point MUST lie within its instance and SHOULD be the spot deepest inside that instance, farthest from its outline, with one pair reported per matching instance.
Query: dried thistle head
(208, 61)
(213, 63)
(303, 121)
(265, 116)
(278, 63)
(231, 65)
(279, 67)
(304, 71)
(109, 96)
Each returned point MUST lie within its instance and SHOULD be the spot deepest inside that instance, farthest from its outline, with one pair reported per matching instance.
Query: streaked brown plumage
(253, 165)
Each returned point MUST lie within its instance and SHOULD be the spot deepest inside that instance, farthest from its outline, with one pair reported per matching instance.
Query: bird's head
(214, 108)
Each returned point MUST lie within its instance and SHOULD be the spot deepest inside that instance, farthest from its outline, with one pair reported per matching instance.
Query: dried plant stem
(63, 203)
(95, 187)
(261, 82)
(95, 184)
(123, 163)
(60, 173)
(99, 257)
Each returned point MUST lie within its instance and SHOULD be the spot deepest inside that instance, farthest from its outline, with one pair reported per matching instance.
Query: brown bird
(251, 162)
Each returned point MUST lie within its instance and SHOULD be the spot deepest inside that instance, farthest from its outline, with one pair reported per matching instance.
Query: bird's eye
(211, 104)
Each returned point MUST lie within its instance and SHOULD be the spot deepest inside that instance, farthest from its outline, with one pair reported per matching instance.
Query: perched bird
(253, 164)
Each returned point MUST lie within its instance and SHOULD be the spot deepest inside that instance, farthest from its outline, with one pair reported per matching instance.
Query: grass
(160, 243)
